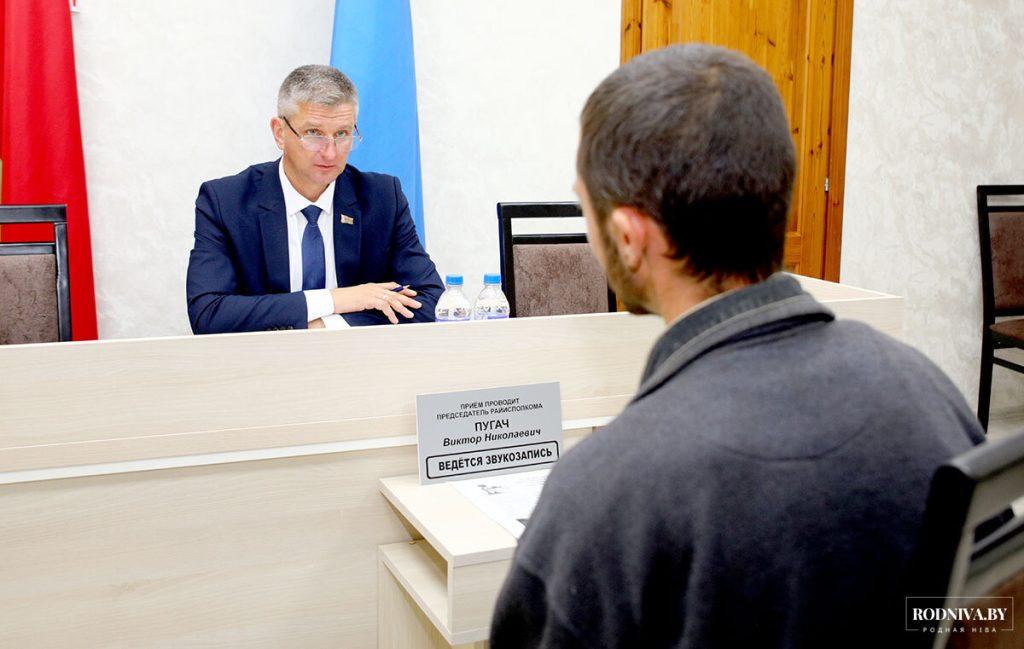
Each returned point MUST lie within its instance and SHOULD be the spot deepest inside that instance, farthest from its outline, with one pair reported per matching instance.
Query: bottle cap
(453, 280)
(492, 278)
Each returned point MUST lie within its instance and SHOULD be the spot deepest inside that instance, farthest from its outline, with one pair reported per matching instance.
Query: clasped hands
(380, 297)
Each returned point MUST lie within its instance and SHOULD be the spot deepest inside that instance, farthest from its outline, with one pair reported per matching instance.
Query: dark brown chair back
(549, 274)
(557, 279)
(1001, 235)
(35, 300)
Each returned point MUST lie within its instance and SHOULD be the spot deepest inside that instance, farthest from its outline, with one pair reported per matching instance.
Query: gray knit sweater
(764, 489)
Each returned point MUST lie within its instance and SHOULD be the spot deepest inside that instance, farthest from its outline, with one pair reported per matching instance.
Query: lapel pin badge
(347, 220)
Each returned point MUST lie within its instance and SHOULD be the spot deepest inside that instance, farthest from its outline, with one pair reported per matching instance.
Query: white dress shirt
(319, 302)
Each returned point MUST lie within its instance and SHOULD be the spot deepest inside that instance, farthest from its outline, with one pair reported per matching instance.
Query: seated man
(305, 240)
(765, 485)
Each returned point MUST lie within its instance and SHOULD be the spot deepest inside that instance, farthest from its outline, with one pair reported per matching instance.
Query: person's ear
(277, 128)
(628, 229)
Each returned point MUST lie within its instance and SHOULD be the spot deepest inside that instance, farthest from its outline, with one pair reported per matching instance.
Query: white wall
(501, 85)
(936, 103)
(174, 93)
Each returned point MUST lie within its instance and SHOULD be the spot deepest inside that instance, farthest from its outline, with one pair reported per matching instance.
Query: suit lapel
(347, 230)
(273, 230)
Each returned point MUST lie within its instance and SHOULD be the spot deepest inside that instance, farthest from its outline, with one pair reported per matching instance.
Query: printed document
(508, 499)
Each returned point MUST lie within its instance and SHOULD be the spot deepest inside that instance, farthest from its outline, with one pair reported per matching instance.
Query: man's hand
(317, 324)
(375, 296)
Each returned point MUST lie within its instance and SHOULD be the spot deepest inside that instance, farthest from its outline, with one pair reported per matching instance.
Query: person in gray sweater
(766, 484)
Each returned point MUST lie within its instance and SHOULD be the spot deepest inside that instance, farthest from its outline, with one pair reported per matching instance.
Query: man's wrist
(338, 300)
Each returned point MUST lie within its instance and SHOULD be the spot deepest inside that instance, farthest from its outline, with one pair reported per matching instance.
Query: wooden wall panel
(656, 21)
(172, 389)
(804, 45)
(630, 43)
(813, 152)
(260, 553)
(840, 108)
(281, 553)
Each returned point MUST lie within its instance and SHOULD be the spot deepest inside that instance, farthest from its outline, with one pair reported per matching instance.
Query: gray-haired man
(308, 240)
(765, 485)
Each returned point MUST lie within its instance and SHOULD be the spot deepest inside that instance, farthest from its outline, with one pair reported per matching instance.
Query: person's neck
(309, 192)
(674, 294)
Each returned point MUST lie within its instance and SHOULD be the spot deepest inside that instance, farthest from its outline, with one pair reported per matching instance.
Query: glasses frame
(351, 141)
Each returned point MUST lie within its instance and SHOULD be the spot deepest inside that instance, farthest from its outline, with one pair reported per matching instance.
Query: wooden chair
(35, 299)
(971, 548)
(549, 273)
(1001, 234)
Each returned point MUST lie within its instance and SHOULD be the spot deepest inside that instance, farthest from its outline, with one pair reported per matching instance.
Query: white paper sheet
(508, 499)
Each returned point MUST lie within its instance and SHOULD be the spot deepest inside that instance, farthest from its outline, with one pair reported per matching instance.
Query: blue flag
(372, 44)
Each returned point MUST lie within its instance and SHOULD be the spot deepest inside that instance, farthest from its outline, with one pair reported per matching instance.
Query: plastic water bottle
(491, 304)
(453, 305)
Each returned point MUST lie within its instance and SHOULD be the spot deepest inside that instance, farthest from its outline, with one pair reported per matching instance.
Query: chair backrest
(35, 299)
(1001, 235)
(550, 273)
(952, 569)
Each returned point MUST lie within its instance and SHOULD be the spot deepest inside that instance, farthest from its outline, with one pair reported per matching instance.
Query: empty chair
(35, 303)
(549, 273)
(1001, 233)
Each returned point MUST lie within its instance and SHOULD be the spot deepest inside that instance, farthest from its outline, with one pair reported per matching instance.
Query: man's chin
(631, 302)
(627, 295)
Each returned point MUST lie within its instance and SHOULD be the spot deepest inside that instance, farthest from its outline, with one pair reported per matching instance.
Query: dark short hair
(695, 136)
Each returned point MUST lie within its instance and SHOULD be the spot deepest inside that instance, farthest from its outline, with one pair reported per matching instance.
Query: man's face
(315, 168)
(607, 253)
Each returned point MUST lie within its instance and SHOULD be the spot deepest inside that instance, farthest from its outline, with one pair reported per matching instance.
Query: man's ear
(628, 230)
(277, 128)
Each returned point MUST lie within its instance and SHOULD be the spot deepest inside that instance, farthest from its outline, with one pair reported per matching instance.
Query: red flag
(41, 137)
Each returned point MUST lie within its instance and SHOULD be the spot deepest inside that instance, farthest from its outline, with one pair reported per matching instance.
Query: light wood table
(213, 491)
(450, 577)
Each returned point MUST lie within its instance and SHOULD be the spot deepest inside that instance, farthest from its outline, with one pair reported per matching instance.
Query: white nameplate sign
(488, 432)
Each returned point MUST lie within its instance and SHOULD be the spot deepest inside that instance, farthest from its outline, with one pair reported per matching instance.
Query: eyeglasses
(317, 143)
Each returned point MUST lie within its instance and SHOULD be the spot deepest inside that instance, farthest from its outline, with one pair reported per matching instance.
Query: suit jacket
(238, 270)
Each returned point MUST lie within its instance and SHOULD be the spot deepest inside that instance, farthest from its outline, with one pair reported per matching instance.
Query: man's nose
(330, 150)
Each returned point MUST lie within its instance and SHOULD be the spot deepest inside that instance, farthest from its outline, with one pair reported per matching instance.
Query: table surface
(454, 526)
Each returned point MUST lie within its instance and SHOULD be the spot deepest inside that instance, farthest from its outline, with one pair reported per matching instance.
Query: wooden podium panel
(453, 575)
(223, 491)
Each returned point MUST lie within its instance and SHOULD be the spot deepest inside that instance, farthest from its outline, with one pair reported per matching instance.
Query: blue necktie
(314, 272)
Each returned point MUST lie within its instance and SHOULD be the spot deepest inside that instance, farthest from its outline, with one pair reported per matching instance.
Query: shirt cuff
(319, 303)
(335, 321)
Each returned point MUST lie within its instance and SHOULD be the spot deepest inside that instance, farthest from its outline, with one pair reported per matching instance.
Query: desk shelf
(454, 573)
(424, 576)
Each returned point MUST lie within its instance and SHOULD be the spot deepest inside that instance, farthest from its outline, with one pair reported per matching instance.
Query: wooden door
(805, 46)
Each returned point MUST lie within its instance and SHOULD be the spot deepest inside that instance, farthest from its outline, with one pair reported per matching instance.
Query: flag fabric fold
(41, 138)
(373, 45)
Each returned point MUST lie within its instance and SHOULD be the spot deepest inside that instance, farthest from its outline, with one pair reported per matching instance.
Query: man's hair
(696, 137)
(315, 84)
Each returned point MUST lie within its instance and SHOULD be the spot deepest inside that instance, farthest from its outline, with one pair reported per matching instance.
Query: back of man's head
(696, 137)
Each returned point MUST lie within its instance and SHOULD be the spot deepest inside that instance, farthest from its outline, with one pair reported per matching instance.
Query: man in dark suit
(307, 241)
